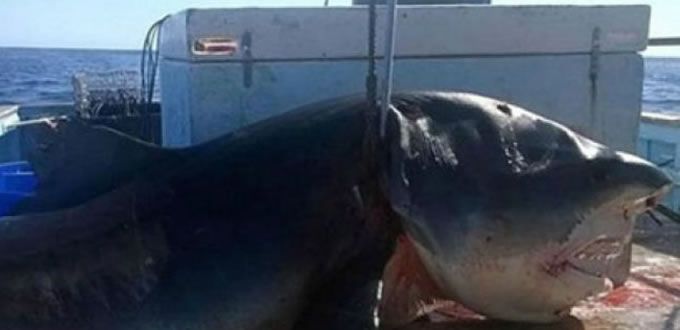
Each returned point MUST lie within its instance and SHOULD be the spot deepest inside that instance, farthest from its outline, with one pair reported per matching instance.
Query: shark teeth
(602, 248)
(594, 257)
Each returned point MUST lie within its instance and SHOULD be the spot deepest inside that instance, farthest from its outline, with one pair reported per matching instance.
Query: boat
(224, 69)
(658, 142)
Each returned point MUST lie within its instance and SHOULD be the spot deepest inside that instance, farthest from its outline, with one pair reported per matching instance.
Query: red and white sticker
(215, 46)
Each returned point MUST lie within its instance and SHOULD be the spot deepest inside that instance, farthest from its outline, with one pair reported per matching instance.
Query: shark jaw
(539, 286)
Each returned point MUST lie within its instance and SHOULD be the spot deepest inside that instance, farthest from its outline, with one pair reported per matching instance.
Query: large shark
(298, 222)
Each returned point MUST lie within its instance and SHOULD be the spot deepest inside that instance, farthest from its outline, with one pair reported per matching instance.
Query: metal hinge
(595, 53)
(246, 44)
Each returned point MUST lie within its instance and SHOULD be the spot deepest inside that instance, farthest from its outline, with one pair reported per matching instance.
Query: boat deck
(649, 300)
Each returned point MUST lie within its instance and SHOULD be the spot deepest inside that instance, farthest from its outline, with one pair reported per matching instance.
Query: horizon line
(67, 48)
(72, 48)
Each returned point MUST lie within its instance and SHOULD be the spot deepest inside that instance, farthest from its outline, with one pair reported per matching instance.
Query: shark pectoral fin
(408, 290)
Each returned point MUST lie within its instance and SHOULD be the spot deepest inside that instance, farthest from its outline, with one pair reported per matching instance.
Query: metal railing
(664, 42)
(664, 210)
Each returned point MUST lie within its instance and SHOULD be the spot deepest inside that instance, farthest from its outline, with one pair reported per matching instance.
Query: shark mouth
(594, 257)
(590, 259)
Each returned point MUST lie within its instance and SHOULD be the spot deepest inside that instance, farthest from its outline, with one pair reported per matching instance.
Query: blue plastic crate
(13, 167)
(17, 181)
(21, 182)
(9, 200)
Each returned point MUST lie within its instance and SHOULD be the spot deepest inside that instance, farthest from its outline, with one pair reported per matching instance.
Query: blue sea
(34, 76)
(661, 91)
(37, 76)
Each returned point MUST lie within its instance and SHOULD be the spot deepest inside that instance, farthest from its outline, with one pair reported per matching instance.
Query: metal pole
(390, 33)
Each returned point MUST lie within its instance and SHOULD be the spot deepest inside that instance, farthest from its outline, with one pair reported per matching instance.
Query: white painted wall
(539, 57)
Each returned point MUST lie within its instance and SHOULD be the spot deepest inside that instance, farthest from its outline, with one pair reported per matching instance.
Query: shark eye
(651, 202)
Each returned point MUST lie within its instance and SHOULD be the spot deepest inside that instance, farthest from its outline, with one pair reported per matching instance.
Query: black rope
(668, 213)
(371, 139)
(150, 57)
(654, 218)
(371, 136)
(148, 72)
(372, 78)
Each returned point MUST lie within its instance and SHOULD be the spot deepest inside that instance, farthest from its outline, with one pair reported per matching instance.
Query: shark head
(515, 216)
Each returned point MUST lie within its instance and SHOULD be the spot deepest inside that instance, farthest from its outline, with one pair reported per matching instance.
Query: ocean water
(34, 76)
(661, 91)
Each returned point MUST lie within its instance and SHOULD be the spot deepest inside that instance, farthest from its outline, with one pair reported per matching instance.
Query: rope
(372, 78)
(150, 57)
(371, 138)
(668, 213)
(148, 70)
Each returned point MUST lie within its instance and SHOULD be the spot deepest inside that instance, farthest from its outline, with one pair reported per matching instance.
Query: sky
(122, 24)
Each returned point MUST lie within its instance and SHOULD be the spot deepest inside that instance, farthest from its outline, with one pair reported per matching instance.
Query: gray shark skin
(288, 224)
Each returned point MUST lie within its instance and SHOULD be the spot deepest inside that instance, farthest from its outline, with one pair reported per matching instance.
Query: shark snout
(641, 175)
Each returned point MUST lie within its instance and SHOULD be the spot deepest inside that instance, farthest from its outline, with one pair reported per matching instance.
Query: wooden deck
(649, 300)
